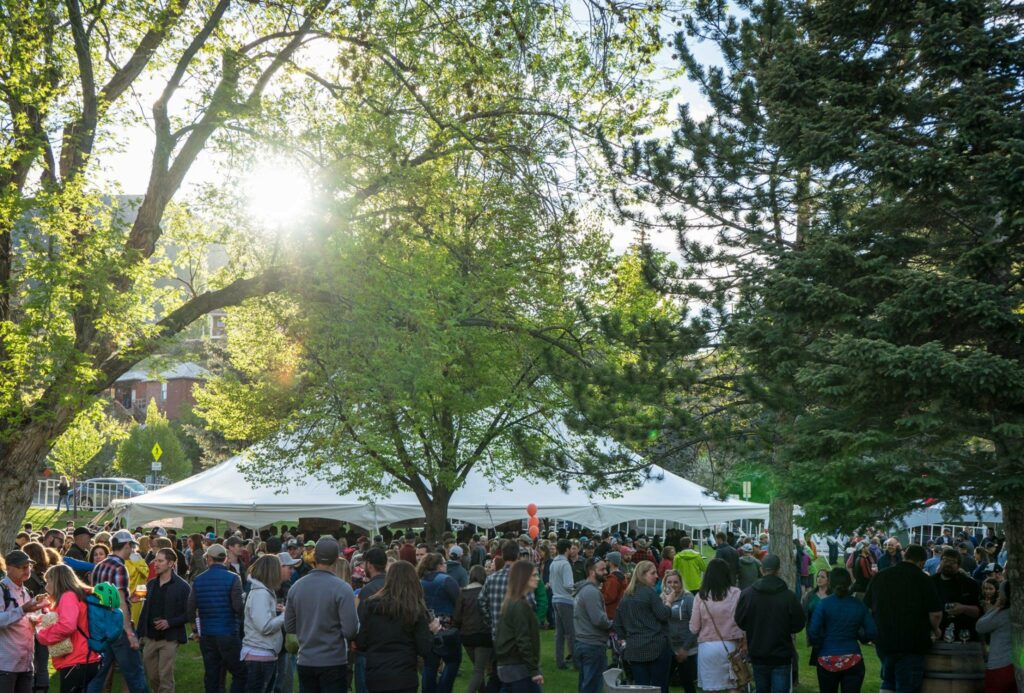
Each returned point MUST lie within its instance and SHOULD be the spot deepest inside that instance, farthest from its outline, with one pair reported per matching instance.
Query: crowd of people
(398, 613)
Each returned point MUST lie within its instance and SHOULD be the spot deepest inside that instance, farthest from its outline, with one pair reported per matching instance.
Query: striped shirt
(493, 594)
(17, 636)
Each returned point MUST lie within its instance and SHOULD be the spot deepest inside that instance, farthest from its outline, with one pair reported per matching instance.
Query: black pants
(323, 679)
(849, 681)
(16, 681)
(684, 673)
(74, 679)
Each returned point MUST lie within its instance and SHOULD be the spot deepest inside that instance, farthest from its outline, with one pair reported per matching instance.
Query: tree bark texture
(780, 537)
(436, 513)
(1013, 524)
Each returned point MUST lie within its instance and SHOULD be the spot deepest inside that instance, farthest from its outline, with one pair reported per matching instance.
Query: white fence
(93, 495)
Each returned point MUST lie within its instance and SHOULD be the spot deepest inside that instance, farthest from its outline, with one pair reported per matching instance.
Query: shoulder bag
(740, 667)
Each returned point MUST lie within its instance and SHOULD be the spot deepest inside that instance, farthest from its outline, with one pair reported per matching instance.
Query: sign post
(746, 490)
(157, 464)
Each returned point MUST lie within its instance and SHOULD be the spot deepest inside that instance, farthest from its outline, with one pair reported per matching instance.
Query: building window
(163, 392)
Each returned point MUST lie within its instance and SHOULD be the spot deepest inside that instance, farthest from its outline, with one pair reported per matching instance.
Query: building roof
(182, 371)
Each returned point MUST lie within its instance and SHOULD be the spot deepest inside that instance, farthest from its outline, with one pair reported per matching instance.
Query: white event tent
(224, 493)
(933, 515)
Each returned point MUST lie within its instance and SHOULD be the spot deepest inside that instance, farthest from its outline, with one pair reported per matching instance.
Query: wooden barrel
(954, 668)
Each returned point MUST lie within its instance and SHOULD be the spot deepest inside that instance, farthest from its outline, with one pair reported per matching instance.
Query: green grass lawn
(49, 517)
(189, 671)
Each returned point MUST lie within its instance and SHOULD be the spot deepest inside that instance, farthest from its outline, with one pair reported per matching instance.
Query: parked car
(97, 493)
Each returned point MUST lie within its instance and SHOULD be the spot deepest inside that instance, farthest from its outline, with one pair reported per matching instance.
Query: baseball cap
(310, 544)
(747, 547)
(122, 537)
(160, 532)
(326, 550)
(525, 537)
(216, 551)
(455, 552)
(16, 559)
(286, 559)
(771, 563)
(79, 531)
(291, 544)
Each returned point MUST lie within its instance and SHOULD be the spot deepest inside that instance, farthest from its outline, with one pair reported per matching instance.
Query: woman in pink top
(77, 667)
(713, 623)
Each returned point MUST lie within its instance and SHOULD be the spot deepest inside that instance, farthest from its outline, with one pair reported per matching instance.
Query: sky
(275, 189)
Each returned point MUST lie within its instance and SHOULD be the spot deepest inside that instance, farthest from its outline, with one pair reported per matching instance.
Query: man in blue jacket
(162, 621)
(215, 604)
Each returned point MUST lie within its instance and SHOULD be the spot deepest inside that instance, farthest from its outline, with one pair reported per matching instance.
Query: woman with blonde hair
(642, 621)
(79, 665)
(517, 644)
(263, 637)
(343, 569)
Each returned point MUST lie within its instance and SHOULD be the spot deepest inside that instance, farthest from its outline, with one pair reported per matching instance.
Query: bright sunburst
(277, 194)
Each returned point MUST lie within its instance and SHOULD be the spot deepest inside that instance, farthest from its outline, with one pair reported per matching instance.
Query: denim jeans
(360, 672)
(591, 660)
(259, 676)
(654, 672)
(220, 653)
(285, 680)
(66, 499)
(773, 678)
(432, 663)
(323, 679)
(903, 673)
(522, 686)
(129, 663)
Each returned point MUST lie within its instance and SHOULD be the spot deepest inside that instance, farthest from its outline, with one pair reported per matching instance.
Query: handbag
(58, 649)
(447, 643)
(741, 670)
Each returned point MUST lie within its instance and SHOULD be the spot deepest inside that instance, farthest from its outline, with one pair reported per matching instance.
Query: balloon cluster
(534, 529)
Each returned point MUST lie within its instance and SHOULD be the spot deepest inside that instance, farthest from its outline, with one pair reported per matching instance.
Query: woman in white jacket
(264, 619)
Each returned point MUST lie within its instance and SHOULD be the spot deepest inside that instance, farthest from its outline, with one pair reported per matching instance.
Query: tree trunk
(436, 512)
(1013, 524)
(21, 458)
(780, 537)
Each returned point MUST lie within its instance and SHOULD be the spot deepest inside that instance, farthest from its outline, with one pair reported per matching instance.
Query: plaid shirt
(112, 570)
(493, 594)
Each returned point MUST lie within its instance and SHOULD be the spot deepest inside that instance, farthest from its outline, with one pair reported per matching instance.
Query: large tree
(908, 286)
(415, 349)
(880, 320)
(80, 296)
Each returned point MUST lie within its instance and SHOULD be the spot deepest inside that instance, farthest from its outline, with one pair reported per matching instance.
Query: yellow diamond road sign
(157, 451)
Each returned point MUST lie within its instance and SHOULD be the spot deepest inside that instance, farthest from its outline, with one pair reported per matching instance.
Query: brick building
(171, 388)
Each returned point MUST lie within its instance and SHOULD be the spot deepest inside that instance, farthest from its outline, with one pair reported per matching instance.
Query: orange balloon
(531, 509)
(533, 531)
(534, 521)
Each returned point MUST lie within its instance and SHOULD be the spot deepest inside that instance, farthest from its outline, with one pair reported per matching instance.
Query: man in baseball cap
(79, 550)
(125, 651)
(321, 612)
(17, 635)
